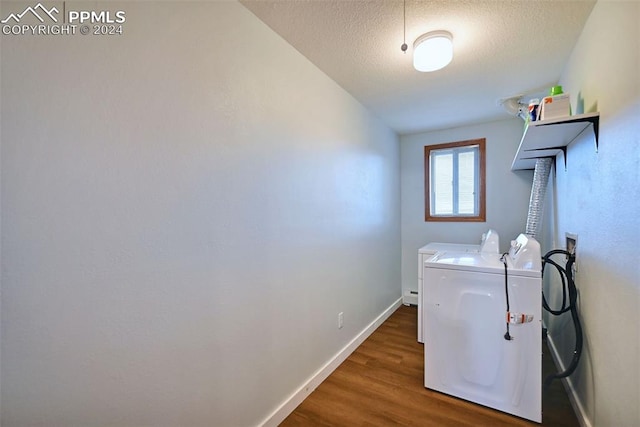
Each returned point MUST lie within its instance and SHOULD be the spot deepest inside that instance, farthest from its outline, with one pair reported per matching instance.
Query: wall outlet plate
(571, 245)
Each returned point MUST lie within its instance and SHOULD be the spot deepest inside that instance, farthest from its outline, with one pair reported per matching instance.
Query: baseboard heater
(410, 298)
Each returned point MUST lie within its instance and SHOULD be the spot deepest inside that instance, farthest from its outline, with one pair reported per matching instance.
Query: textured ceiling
(501, 48)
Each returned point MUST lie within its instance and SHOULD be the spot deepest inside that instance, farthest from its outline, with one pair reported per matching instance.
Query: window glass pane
(466, 183)
(443, 184)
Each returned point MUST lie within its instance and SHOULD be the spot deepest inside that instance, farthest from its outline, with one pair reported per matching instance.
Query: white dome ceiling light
(433, 51)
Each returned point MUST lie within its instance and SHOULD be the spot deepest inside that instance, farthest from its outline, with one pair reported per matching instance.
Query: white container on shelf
(555, 107)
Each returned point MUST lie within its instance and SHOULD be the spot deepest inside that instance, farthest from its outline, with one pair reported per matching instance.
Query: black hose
(569, 287)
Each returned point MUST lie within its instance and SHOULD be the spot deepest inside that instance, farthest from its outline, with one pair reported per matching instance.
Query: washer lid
(482, 262)
(434, 247)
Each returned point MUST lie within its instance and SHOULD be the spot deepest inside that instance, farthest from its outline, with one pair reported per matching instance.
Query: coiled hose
(568, 290)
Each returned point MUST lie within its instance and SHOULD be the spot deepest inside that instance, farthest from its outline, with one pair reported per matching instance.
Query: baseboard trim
(292, 402)
(578, 408)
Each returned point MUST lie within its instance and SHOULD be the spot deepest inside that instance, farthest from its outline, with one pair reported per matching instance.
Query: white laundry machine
(468, 311)
(490, 242)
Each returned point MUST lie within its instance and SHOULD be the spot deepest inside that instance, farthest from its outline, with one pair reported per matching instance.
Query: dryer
(465, 321)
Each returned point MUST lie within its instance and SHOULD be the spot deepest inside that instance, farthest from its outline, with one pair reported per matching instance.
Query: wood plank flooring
(381, 384)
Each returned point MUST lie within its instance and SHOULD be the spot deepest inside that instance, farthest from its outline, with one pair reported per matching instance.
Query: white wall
(598, 197)
(185, 210)
(507, 192)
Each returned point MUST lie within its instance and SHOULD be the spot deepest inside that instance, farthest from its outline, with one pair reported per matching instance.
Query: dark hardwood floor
(381, 384)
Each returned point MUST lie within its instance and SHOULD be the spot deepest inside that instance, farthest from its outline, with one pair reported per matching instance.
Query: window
(454, 175)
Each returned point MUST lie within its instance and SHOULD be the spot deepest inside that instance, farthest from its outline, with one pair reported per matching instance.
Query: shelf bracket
(561, 148)
(594, 121)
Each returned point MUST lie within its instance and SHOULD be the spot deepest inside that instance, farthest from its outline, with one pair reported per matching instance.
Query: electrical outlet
(340, 320)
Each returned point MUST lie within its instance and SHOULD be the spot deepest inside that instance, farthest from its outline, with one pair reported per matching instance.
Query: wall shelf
(547, 138)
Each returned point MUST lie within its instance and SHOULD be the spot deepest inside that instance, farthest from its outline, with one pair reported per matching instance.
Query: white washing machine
(465, 321)
(490, 242)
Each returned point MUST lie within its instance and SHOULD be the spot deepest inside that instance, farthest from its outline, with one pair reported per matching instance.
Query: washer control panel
(525, 253)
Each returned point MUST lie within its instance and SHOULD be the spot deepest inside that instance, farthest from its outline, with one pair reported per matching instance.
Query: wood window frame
(482, 204)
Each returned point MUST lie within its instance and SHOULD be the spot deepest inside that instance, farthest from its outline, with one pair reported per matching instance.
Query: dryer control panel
(525, 253)
(490, 242)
